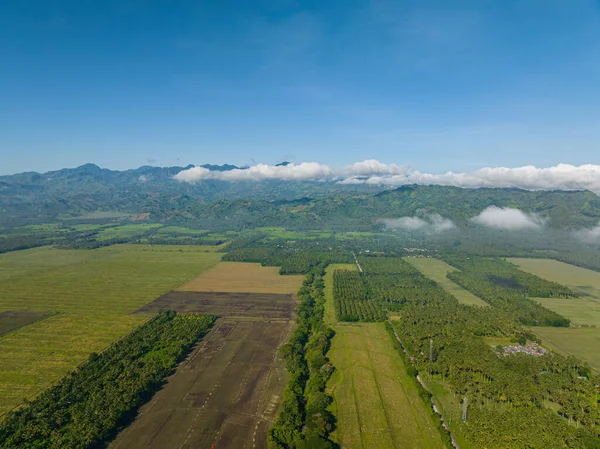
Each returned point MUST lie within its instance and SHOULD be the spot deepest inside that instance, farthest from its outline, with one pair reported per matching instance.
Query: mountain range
(32, 197)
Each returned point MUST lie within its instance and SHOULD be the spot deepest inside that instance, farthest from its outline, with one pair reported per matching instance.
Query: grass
(376, 403)
(182, 231)
(583, 343)
(92, 292)
(581, 280)
(12, 320)
(241, 277)
(581, 311)
(437, 270)
(125, 231)
(328, 279)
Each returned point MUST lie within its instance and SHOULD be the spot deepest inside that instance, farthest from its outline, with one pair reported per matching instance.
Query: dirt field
(259, 305)
(14, 319)
(225, 395)
(242, 278)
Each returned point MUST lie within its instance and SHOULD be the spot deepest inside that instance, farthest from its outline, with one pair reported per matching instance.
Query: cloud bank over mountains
(432, 223)
(589, 235)
(559, 177)
(509, 219)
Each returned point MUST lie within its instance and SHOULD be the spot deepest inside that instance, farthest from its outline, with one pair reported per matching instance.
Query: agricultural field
(581, 280)
(224, 304)
(92, 293)
(125, 231)
(243, 277)
(225, 395)
(583, 343)
(375, 401)
(579, 340)
(181, 230)
(328, 279)
(13, 320)
(581, 311)
(437, 270)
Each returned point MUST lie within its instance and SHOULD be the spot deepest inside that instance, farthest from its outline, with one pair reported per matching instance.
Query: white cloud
(589, 235)
(432, 223)
(193, 174)
(559, 177)
(507, 218)
(291, 172)
(371, 167)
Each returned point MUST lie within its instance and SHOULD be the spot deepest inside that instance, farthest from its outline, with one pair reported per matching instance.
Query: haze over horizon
(478, 84)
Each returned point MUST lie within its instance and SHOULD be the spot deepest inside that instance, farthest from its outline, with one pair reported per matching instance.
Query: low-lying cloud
(589, 235)
(432, 223)
(559, 177)
(509, 219)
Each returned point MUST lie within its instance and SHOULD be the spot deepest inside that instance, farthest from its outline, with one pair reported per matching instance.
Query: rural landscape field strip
(582, 341)
(437, 270)
(226, 393)
(375, 401)
(13, 320)
(240, 277)
(92, 292)
(86, 408)
(583, 281)
(328, 280)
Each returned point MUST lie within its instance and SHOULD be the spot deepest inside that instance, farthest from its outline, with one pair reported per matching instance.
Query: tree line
(86, 408)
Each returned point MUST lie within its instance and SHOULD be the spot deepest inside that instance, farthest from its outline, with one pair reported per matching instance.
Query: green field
(581, 311)
(376, 403)
(437, 270)
(125, 231)
(581, 280)
(92, 292)
(181, 230)
(329, 317)
(583, 343)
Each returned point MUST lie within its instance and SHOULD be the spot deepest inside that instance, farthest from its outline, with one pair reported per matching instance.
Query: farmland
(242, 278)
(437, 270)
(328, 278)
(224, 395)
(583, 343)
(12, 320)
(224, 304)
(92, 293)
(227, 392)
(375, 401)
(585, 282)
(581, 340)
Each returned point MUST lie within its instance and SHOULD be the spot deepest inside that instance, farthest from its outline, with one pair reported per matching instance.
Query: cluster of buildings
(533, 349)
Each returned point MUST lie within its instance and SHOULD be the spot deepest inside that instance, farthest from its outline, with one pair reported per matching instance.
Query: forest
(303, 421)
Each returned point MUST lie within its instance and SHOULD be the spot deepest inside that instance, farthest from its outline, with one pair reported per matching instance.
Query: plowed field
(225, 395)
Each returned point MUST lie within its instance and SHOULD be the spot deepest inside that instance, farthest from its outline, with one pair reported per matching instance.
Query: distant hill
(33, 198)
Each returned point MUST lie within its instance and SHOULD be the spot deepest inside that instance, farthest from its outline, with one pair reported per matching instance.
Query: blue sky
(440, 85)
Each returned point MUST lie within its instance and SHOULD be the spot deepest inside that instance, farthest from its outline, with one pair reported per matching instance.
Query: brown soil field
(243, 277)
(257, 305)
(224, 395)
(14, 319)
